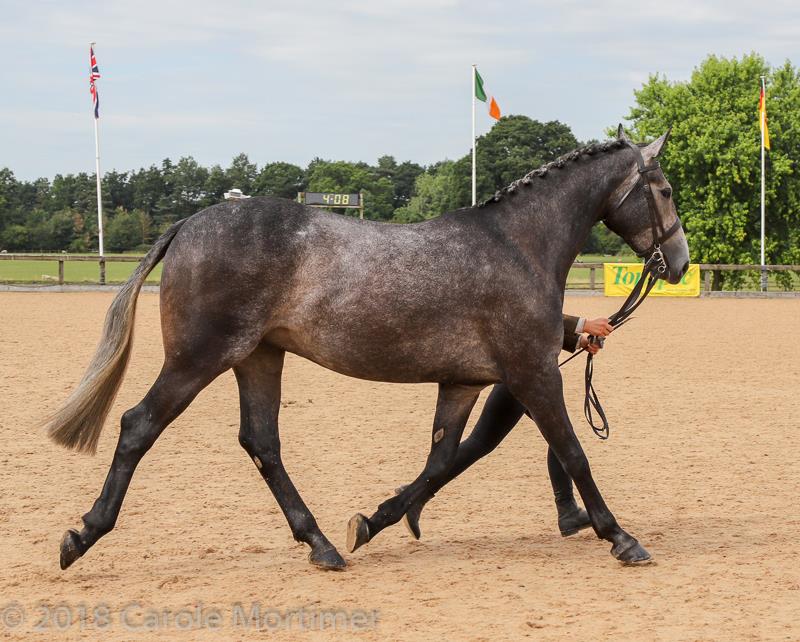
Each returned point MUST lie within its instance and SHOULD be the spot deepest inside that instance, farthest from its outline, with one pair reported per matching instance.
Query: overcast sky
(349, 80)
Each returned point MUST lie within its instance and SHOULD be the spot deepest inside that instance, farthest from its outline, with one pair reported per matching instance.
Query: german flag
(762, 117)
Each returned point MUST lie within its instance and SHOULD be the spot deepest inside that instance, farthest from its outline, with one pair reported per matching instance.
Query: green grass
(580, 278)
(74, 272)
(46, 272)
(89, 271)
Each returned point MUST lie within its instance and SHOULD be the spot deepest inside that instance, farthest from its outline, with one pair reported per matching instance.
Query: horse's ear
(621, 133)
(654, 149)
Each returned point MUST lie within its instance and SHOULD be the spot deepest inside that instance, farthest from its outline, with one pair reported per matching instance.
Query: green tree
(164, 212)
(242, 173)
(127, 230)
(188, 187)
(436, 192)
(404, 180)
(402, 177)
(713, 157)
(148, 187)
(10, 211)
(81, 238)
(75, 191)
(603, 241)
(279, 179)
(513, 147)
(217, 184)
(61, 227)
(341, 176)
(37, 222)
(14, 238)
(118, 190)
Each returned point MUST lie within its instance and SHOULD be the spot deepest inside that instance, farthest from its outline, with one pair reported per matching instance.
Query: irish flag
(480, 94)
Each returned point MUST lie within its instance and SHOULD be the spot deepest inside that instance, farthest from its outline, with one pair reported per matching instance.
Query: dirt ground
(701, 467)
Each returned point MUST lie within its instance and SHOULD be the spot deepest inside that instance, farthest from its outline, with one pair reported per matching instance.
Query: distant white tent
(235, 194)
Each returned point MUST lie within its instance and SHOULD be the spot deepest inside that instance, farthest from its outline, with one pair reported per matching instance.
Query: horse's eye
(666, 192)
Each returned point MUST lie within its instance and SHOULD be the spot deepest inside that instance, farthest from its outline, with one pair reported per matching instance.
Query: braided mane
(561, 161)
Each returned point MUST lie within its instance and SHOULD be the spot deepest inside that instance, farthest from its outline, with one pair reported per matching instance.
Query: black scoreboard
(331, 199)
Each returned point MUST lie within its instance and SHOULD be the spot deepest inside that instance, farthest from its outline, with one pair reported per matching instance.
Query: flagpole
(97, 174)
(474, 190)
(763, 111)
(99, 192)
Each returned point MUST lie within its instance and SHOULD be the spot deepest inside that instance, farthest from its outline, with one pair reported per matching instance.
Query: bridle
(659, 233)
(654, 268)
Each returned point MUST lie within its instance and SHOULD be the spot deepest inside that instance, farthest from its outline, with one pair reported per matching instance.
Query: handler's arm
(571, 334)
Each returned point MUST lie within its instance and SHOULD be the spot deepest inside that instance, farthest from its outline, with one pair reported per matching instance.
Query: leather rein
(654, 268)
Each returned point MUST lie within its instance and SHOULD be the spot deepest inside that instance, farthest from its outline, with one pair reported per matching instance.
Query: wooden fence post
(102, 271)
(61, 271)
(707, 281)
(591, 278)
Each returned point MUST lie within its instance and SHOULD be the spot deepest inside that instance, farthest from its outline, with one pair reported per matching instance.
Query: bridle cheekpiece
(659, 234)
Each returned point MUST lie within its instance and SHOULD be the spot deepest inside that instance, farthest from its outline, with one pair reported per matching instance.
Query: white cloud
(354, 79)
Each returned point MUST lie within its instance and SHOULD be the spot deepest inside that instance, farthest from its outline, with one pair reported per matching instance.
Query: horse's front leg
(542, 393)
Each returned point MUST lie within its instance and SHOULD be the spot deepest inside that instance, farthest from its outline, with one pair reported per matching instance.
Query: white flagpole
(761, 116)
(97, 174)
(99, 192)
(474, 189)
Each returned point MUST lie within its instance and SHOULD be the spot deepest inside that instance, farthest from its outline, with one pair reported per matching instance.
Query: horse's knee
(245, 441)
(262, 450)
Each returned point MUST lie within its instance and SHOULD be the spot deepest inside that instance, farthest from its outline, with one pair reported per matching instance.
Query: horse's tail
(77, 425)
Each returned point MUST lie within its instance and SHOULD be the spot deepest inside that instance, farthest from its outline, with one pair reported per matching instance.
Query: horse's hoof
(357, 532)
(574, 522)
(411, 518)
(631, 554)
(70, 548)
(327, 559)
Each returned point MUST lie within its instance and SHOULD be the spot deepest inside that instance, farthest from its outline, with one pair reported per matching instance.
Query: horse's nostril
(685, 267)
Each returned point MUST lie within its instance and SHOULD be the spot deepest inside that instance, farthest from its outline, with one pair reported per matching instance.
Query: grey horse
(466, 300)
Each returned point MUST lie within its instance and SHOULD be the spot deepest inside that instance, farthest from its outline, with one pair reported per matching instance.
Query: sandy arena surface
(702, 467)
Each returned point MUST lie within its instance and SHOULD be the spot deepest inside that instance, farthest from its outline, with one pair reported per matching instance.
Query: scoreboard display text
(329, 199)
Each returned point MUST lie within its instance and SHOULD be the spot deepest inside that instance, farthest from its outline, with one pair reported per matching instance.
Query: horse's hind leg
(500, 414)
(259, 378)
(140, 426)
(453, 406)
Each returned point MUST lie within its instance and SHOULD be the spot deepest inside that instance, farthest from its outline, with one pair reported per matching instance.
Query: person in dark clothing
(501, 413)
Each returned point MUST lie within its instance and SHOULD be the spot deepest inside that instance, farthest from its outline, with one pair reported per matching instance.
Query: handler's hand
(592, 348)
(599, 327)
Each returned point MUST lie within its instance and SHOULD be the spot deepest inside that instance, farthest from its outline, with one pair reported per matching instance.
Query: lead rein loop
(655, 265)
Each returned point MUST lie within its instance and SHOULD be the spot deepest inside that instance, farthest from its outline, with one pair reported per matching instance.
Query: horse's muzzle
(676, 254)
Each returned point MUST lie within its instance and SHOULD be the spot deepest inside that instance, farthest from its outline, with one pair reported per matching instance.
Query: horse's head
(641, 211)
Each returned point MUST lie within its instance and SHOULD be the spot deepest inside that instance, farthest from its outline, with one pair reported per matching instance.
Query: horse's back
(359, 297)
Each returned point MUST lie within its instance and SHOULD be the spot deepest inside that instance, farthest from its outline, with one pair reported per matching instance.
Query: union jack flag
(94, 74)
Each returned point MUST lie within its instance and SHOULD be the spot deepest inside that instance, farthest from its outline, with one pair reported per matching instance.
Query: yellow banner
(619, 279)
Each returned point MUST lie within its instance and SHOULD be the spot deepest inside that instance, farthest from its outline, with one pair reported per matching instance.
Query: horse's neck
(550, 220)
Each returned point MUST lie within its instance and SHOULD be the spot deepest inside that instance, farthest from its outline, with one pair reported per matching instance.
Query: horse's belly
(412, 359)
